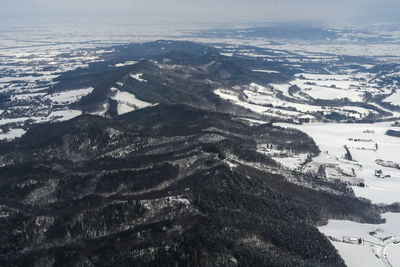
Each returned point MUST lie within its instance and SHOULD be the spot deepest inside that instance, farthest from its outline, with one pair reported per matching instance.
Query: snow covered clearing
(366, 143)
(394, 98)
(127, 102)
(63, 115)
(375, 243)
(286, 158)
(26, 96)
(263, 110)
(124, 108)
(268, 101)
(253, 121)
(267, 71)
(126, 63)
(71, 96)
(138, 77)
(227, 54)
(15, 120)
(11, 134)
(102, 111)
(329, 86)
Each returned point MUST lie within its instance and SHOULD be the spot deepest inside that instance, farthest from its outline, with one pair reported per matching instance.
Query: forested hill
(168, 174)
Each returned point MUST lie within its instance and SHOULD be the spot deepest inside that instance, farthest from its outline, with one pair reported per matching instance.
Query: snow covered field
(266, 100)
(126, 63)
(375, 245)
(394, 98)
(367, 144)
(352, 86)
(127, 102)
(70, 96)
(255, 101)
(138, 76)
(11, 134)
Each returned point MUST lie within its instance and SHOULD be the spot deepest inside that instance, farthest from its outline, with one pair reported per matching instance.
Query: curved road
(382, 253)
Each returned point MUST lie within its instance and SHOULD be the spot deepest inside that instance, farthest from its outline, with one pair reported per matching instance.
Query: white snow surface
(64, 115)
(11, 134)
(103, 110)
(267, 71)
(138, 76)
(286, 158)
(365, 255)
(71, 96)
(266, 101)
(25, 96)
(127, 102)
(124, 108)
(393, 254)
(332, 137)
(367, 143)
(126, 63)
(15, 120)
(255, 103)
(394, 98)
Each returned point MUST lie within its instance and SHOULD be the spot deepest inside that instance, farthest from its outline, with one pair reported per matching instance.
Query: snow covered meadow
(370, 147)
(380, 247)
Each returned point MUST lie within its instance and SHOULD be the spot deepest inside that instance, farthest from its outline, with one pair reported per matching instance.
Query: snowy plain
(367, 143)
(372, 144)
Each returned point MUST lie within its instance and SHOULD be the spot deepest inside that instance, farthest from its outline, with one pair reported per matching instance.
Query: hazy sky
(209, 11)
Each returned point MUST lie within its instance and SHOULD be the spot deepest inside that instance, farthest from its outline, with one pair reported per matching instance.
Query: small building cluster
(353, 240)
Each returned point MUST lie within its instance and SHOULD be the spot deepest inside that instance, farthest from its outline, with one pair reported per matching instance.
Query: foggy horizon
(207, 12)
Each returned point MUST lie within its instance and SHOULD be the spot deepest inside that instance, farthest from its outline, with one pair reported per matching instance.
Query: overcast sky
(208, 11)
